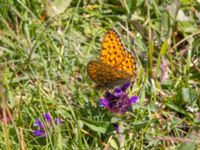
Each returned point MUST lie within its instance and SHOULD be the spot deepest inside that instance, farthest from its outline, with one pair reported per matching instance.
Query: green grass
(45, 47)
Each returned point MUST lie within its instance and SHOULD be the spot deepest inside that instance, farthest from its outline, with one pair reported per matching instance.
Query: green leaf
(96, 126)
(114, 144)
(178, 109)
(187, 146)
(139, 125)
(162, 52)
(186, 95)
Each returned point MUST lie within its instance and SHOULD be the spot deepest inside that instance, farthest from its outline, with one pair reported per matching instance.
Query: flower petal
(58, 121)
(47, 117)
(116, 126)
(105, 103)
(118, 92)
(39, 133)
(133, 99)
(38, 123)
(125, 86)
(109, 96)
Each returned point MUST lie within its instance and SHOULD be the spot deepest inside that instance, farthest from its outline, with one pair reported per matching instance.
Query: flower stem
(121, 136)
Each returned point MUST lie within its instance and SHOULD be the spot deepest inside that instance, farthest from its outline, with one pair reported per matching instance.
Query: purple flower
(58, 121)
(44, 126)
(47, 117)
(119, 101)
(39, 133)
(38, 123)
(116, 126)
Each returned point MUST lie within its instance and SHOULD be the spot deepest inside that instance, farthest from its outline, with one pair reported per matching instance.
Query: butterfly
(116, 65)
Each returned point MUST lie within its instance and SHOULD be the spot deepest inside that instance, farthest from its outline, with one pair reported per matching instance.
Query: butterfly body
(115, 66)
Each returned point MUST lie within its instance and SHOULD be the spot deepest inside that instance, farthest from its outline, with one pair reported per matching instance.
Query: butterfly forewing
(112, 50)
(116, 65)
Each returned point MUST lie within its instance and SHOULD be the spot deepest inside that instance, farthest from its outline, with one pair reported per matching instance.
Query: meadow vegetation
(45, 90)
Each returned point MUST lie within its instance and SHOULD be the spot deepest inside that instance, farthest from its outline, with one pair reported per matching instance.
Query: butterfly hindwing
(105, 75)
(128, 65)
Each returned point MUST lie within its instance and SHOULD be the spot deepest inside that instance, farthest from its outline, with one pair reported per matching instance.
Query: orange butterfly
(116, 66)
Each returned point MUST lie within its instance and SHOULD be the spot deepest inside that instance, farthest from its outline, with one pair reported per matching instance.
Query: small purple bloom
(47, 117)
(118, 92)
(125, 86)
(116, 126)
(133, 99)
(105, 103)
(58, 121)
(38, 123)
(39, 133)
(119, 101)
(109, 96)
(44, 126)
